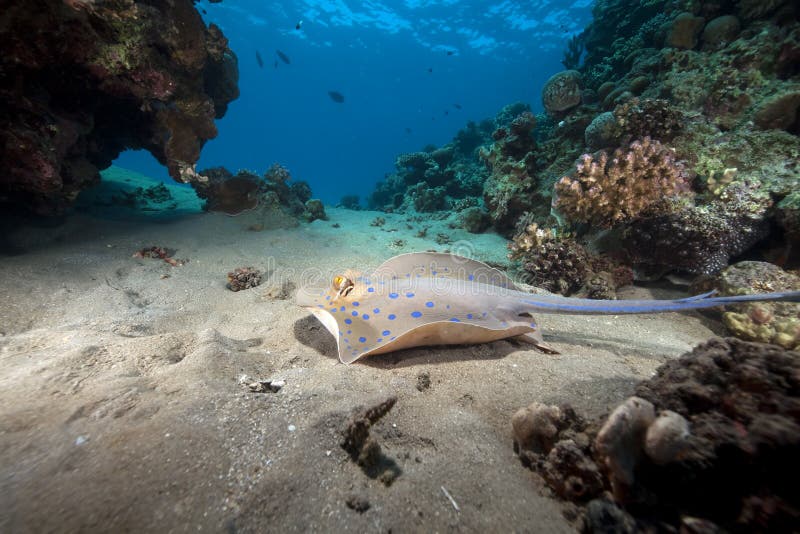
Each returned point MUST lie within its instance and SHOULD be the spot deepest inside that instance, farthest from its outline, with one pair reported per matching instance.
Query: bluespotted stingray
(430, 298)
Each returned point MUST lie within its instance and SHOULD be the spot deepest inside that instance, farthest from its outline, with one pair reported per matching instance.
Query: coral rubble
(82, 81)
(243, 278)
(160, 253)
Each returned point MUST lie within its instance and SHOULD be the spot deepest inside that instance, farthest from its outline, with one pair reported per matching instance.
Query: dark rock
(364, 449)
(82, 81)
(605, 517)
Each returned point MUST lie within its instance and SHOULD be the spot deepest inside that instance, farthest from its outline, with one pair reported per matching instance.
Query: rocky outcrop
(82, 81)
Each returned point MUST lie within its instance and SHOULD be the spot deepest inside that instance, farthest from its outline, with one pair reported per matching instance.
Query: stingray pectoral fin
(444, 333)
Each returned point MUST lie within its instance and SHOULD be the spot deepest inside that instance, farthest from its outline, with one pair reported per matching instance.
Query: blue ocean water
(411, 72)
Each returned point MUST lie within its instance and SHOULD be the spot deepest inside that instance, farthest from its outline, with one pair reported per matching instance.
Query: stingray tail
(551, 304)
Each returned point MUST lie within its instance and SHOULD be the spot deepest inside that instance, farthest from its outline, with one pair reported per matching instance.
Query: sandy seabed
(124, 403)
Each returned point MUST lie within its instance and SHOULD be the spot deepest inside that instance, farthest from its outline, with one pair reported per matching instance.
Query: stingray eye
(342, 285)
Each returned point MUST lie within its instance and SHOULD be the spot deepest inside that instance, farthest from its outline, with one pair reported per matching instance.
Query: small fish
(283, 57)
(276, 64)
(204, 11)
(259, 60)
(457, 106)
(446, 112)
(408, 130)
(450, 52)
(336, 96)
(424, 299)
(430, 70)
(298, 25)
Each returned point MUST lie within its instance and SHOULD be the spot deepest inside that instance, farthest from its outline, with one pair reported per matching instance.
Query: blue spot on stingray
(483, 314)
(355, 303)
(503, 323)
(416, 314)
(533, 325)
(328, 297)
(392, 338)
(370, 290)
(448, 306)
(321, 305)
(429, 304)
(433, 273)
(409, 295)
(408, 275)
(348, 321)
(469, 316)
(334, 310)
(341, 309)
(385, 333)
(347, 341)
(355, 314)
(470, 277)
(391, 317)
(380, 339)
(365, 316)
(392, 295)
(455, 320)
(349, 331)
(362, 339)
(376, 310)
(341, 333)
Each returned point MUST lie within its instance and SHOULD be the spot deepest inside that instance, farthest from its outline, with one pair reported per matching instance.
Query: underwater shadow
(311, 333)
(614, 345)
(25, 233)
(596, 396)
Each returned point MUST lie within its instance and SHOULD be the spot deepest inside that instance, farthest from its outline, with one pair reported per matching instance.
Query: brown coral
(606, 191)
(648, 117)
(556, 264)
(562, 91)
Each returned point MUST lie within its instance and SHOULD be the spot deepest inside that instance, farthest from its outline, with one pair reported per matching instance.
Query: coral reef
(684, 119)
(606, 191)
(234, 194)
(768, 322)
(102, 77)
(435, 178)
(474, 219)
(684, 31)
(707, 443)
(639, 118)
(350, 202)
(562, 91)
(700, 239)
(559, 264)
(227, 193)
(314, 210)
(509, 190)
(243, 278)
